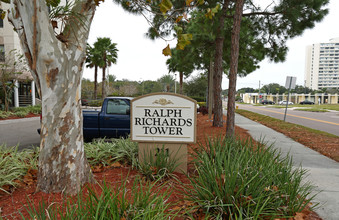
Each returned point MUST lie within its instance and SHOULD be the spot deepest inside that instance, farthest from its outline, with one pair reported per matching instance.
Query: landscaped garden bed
(227, 179)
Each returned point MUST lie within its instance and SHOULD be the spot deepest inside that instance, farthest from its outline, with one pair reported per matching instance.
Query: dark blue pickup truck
(112, 121)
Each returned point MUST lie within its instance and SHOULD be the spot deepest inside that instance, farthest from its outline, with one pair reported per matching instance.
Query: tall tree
(181, 61)
(218, 66)
(275, 25)
(108, 54)
(197, 86)
(92, 60)
(56, 57)
(234, 67)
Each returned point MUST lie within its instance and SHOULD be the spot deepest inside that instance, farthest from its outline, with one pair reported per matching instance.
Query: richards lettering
(164, 122)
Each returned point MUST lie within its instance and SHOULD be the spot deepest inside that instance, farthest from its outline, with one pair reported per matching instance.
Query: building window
(1, 23)
(2, 53)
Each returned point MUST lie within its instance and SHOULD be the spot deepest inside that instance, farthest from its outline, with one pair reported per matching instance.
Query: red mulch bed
(29, 115)
(11, 205)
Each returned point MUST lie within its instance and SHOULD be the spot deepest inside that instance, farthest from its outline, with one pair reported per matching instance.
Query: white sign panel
(163, 117)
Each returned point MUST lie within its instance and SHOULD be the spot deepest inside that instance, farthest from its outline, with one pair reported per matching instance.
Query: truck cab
(113, 120)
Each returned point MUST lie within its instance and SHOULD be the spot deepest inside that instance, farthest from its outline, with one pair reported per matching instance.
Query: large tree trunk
(218, 69)
(233, 67)
(6, 97)
(57, 65)
(210, 89)
(62, 162)
(95, 81)
(217, 80)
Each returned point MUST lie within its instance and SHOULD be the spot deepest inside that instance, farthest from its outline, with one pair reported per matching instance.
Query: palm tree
(108, 55)
(92, 60)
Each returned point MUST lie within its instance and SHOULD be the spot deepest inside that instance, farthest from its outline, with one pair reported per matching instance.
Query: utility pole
(290, 84)
(259, 92)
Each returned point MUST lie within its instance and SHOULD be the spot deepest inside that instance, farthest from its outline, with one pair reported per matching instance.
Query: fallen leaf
(299, 216)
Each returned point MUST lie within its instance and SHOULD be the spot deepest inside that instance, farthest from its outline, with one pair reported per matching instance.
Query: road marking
(327, 122)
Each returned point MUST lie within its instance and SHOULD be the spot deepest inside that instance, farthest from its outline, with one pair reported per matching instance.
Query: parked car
(112, 120)
(265, 102)
(306, 102)
(284, 102)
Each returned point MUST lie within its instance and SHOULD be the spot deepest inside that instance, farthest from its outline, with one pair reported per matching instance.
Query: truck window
(117, 107)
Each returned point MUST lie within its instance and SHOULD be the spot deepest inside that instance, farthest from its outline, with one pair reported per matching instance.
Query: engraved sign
(163, 117)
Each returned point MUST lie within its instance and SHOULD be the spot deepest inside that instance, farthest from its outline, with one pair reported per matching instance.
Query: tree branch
(76, 29)
(262, 13)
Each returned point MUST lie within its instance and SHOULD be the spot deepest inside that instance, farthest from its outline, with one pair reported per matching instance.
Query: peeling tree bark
(57, 68)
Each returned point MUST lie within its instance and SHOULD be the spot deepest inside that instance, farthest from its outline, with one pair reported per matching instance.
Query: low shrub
(34, 109)
(198, 98)
(96, 103)
(4, 114)
(21, 114)
(20, 109)
(203, 110)
(201, 104)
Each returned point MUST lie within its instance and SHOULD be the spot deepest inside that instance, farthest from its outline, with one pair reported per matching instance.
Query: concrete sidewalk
(323, 172)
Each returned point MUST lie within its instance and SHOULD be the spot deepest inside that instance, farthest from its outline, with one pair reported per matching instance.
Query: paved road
(20, 131)
(323, 121)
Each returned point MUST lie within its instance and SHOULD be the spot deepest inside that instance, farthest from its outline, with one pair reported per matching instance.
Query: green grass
(334, 107)
(280, 125)
(281, 106)
(311, 109)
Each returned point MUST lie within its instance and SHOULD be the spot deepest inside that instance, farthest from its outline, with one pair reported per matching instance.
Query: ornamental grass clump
(159, 165)
(106, 152)
(142, 201)
(14, 165)
(243, 180)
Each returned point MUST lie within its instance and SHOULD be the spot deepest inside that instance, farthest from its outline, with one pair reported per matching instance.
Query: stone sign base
(176, 152)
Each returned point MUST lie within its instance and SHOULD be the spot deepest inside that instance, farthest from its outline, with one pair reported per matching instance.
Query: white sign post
(164, 120)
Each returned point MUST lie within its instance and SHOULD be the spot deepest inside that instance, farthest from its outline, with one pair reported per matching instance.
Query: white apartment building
(322, 65)
(24, 91)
